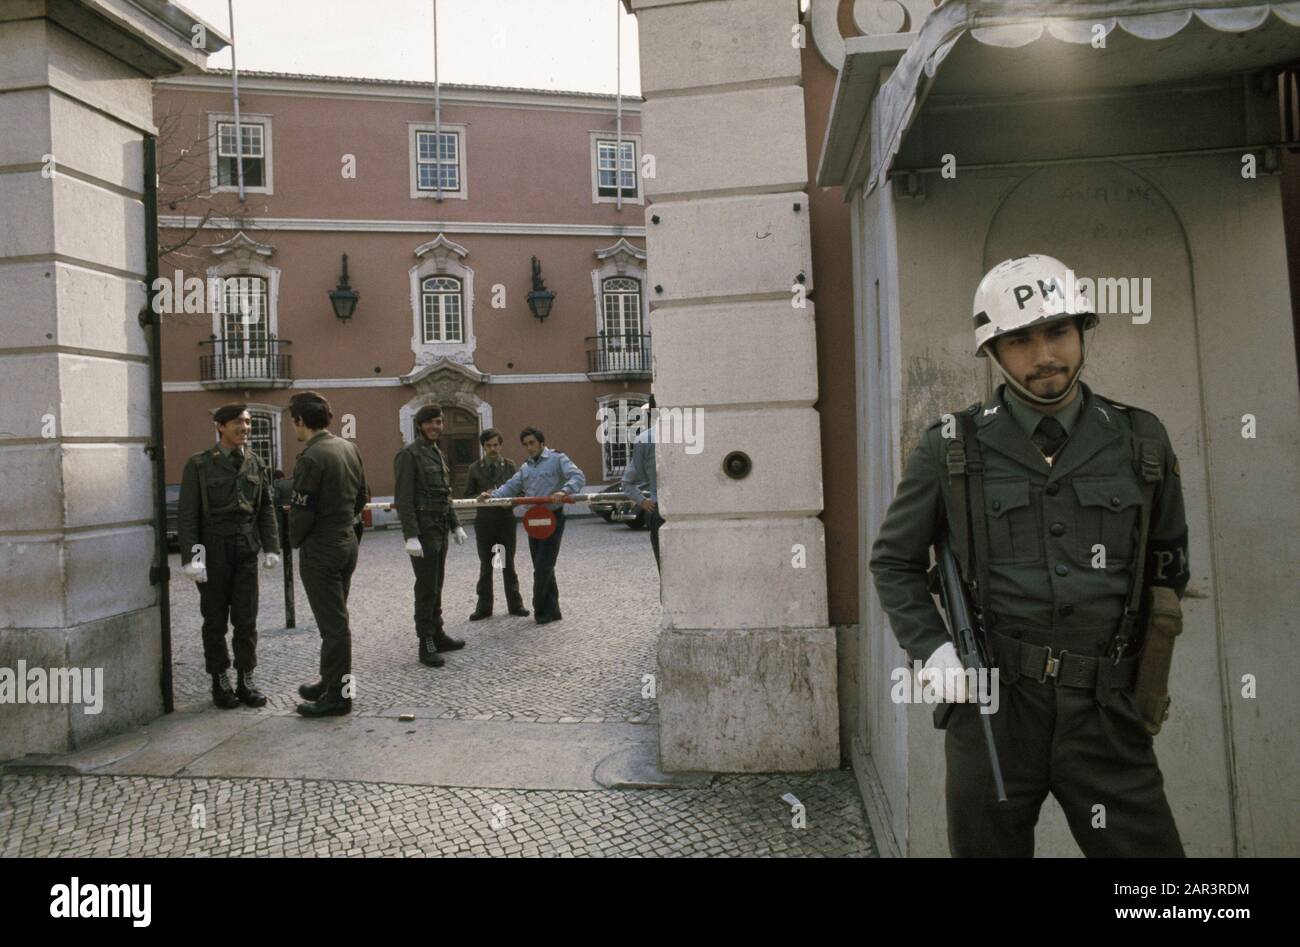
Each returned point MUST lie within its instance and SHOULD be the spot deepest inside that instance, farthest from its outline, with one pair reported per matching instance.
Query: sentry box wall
(1129, 139)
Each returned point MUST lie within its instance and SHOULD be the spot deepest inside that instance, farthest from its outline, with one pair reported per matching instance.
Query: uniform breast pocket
(1014, 531)
(1107, 517)
(222, 488)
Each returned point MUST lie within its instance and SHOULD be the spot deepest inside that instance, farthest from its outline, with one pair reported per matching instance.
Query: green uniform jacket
(329, 490)
(478, 480)
(239, 500)
(423, 491)
(1043, 522)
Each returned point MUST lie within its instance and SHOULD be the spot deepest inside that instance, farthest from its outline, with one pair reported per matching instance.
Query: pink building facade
(440, 217)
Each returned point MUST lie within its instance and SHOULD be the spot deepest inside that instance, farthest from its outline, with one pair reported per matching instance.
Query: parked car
(618, 512)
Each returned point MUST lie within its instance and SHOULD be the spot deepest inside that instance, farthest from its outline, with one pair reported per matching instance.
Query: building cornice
(180, 222)
(396, 90)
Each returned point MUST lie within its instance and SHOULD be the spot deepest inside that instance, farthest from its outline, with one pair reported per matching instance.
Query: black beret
(228, 412)
(426, 412)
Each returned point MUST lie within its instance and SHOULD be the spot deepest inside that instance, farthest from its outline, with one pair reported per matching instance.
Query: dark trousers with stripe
(229, 595)
(544, 552)
(1097, 760)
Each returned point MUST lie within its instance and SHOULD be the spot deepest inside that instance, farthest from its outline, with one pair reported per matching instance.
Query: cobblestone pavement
(589, 666)
(110, 816)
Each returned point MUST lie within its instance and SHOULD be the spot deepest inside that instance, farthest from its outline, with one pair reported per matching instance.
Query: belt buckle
(1051, 667)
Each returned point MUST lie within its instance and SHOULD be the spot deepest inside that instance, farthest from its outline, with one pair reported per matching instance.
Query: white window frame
(442, 257)
(228, 118)
(276, 415)
(635, 139)
(459, 129)
(424, 321)
(607, 472)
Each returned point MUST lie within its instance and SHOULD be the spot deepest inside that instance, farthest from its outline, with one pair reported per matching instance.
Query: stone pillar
(76, 512)
(746, 658)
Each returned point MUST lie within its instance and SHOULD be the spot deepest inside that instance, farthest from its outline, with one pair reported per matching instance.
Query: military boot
(311, 692)
(445, 642)
(246, 690)
(429, 653)
(332, 703)
(223, 695)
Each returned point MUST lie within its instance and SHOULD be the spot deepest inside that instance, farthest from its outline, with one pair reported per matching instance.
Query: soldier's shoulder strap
(1147, 448)
(965, 466)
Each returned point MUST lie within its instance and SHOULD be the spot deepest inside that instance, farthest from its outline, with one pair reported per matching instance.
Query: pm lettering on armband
(1166, 563)
(303, 501)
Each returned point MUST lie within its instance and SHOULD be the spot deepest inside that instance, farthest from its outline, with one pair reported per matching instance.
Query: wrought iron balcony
(618, 356)
(246, 363)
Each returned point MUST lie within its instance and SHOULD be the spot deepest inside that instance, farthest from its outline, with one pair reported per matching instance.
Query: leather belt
(1042, 664)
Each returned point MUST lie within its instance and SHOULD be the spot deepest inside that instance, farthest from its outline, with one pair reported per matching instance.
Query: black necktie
(1049, 437)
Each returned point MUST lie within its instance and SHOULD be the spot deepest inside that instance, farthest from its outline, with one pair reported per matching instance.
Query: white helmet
(1033, 289)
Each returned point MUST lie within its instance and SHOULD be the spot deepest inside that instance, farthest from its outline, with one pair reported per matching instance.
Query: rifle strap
(966, 523)
(1147, 449)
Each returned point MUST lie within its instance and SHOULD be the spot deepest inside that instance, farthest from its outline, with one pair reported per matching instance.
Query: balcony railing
(234, 363)
(618, 355)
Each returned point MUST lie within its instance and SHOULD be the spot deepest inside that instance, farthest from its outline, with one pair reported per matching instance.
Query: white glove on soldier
(413, 547)
(270, 560)
(943, 672)
(460, 535)
(195, 572)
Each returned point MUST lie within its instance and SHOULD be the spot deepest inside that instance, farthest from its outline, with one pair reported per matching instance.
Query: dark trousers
(230, 594)
(326, 564)
(429, 573)
(655, 521)
(1057, 739)
(546, 594)
(488, 532)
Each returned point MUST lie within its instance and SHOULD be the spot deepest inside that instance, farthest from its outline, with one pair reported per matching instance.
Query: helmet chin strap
(1028, 395)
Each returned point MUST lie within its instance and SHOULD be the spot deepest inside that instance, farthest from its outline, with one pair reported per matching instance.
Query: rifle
(961, 627)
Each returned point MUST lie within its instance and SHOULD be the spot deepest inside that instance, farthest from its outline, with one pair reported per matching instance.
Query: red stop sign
(539, 522)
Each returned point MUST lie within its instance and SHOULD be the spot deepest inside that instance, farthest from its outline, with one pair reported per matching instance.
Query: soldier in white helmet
(1063, 508)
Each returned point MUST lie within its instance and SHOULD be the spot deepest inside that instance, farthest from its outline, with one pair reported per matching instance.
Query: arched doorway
(459, 444)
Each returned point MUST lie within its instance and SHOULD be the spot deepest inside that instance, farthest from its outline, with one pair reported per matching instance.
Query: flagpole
(234, 91)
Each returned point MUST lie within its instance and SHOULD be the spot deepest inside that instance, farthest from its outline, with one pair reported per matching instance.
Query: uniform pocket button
(1058, 529)
(1067, 609)
(1114, 501)
(1062, 569)
(997, 505)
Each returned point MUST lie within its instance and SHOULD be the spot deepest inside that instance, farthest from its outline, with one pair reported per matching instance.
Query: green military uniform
(226, 505)
(492, 527)
(423, 498)
(329, 489)
(1077, 734)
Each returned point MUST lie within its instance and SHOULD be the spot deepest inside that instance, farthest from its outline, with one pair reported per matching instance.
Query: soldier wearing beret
(225, 516)
(423, 498)
(1066, 511)
(329, 490)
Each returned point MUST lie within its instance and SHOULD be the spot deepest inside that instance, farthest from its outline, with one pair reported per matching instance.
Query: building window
(253, 142)
(442, 310)
(617, 449)
(254, 151)
(263, 437)
(245, 329)
(606, 170)
(437, 155)
(621, 299)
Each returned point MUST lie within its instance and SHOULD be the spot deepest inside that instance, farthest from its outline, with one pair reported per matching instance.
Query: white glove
(270, 560)
(195, 571)
(943, 671)
(413, 547)
(460, 535)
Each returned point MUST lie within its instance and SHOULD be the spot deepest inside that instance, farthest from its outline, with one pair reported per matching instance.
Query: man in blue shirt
(639, 473)
(550, 473)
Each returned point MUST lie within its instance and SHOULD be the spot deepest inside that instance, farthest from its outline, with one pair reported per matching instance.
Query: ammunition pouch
(1164, 622)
